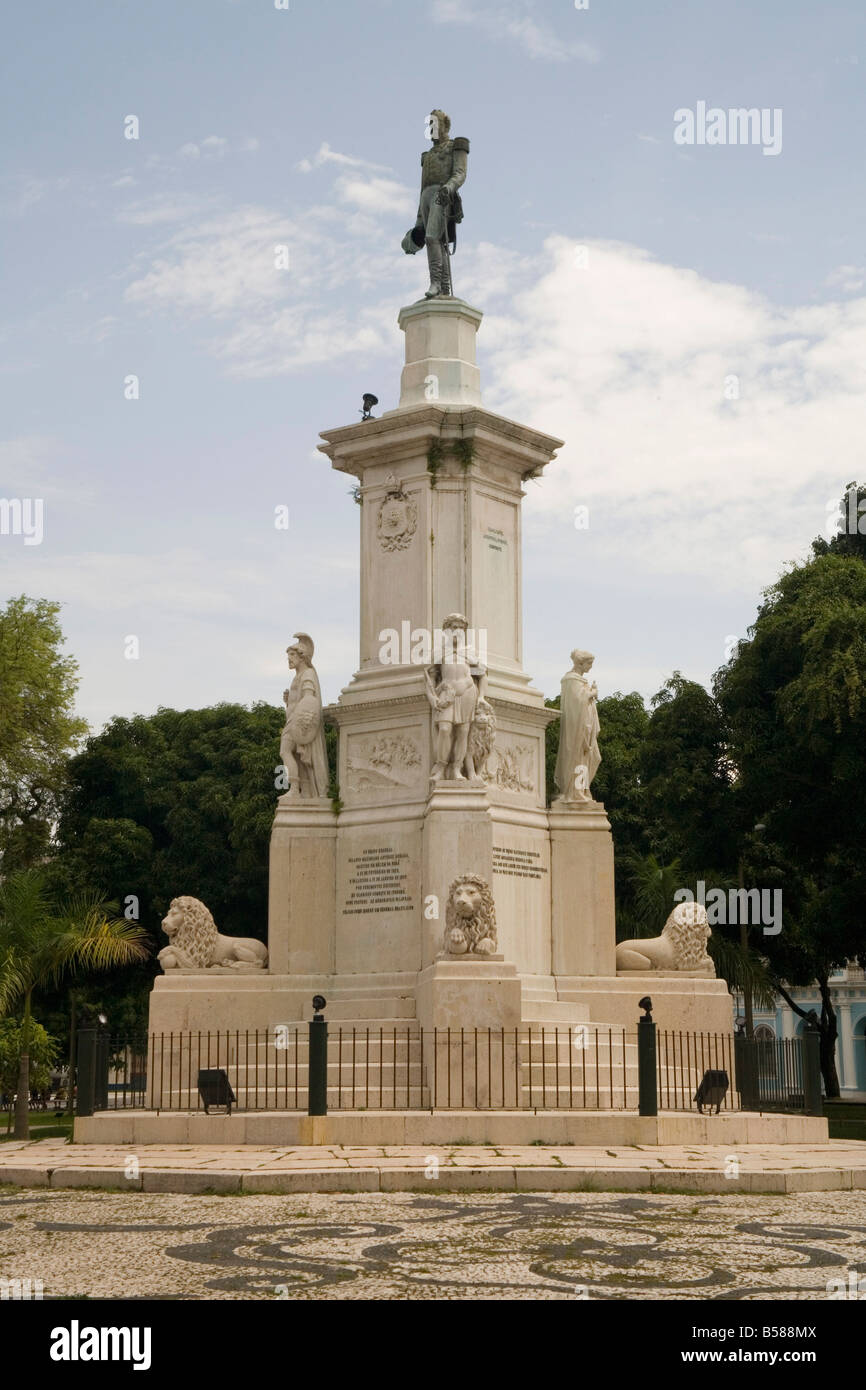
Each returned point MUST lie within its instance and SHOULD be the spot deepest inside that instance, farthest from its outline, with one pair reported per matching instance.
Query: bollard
(647, 1087)
(317, 1080)
(812, 1101)
(86, 1068)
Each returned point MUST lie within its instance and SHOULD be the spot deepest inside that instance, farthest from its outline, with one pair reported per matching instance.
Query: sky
(689, 317)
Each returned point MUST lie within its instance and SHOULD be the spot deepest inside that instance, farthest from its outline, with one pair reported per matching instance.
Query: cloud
(706, 428)
(376, 194)
(216, 147)
(161, 207)
(724, 421)
(849, 278)
(325, 155)
(27, 192)
(264, 319)
(517, 22)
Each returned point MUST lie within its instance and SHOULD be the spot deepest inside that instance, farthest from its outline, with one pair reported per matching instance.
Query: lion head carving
(681, 946)
(470, 918)
(190, 929)
(687, 927)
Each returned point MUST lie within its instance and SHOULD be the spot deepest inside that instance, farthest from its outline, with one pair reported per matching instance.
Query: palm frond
(743, 972)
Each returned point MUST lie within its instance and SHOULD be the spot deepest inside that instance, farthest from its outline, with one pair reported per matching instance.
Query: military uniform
(442, 167)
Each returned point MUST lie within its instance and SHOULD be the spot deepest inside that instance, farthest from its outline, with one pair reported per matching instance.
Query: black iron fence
(404, 1067)
(781, 1074)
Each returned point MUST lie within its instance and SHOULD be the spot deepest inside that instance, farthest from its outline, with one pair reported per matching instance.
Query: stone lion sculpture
(195, 943)
(470, 918)
(682, 946)
(482, 736)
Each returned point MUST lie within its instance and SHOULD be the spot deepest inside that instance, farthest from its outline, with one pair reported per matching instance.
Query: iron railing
(404, 1067)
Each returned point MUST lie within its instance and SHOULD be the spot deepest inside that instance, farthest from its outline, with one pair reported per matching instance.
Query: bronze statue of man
(443, 170)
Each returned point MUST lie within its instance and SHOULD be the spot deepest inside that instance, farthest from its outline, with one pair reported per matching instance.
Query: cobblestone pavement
(85, 1244)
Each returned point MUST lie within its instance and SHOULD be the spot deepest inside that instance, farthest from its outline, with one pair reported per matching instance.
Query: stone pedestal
(457, 839)
(301, 938)
(470, 1012)
(582, 889)
(469, 992)
(440, 353)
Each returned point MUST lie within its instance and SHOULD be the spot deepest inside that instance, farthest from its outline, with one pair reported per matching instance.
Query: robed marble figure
(302, 742)
(578, 759)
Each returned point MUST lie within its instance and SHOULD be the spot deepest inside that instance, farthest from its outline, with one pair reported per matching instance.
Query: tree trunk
(73, 1047)
(827, 1030)
(22, 1101)
(829, 1034)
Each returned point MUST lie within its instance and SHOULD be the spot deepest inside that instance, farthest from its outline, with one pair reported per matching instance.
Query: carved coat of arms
(398, 518)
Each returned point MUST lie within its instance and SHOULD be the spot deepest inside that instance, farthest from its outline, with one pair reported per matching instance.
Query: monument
(439, 888)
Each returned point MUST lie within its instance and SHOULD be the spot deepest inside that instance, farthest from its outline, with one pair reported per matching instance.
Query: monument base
(373, 1128)
(688, 1004)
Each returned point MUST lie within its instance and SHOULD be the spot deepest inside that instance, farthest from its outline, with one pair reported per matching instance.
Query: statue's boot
(434, 263)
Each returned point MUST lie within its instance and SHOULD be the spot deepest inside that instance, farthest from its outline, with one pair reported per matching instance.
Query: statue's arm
(419, 220)
(459, 164)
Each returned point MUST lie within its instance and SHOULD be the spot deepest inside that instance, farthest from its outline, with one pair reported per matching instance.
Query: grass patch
(44, 1126)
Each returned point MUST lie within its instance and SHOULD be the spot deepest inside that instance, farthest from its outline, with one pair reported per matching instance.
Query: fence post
(746, 1067)
(647, 1083)
(317, 1080)
(86, 1068)
(812, 1102)
(102, 1051)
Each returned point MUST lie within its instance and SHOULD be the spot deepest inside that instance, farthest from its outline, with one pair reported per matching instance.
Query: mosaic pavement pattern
(419, 1246)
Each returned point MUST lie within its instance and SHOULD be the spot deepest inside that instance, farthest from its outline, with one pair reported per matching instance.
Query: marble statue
(682, 946)
(578, 758)
(195, 943)
(302, 742)
(443, 171)
(470, 918)
(456, 686)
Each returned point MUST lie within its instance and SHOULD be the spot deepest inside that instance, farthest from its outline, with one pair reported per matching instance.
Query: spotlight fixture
(712, 1090)
(369, 401)
(646, 1004)
(319, 1002)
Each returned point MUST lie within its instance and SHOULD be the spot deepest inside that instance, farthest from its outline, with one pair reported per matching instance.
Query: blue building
(848, 993)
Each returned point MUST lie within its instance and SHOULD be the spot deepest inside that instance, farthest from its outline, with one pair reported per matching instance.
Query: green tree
(850, 538)
(687, 779)
(181, 801)
(794, 701)
(37, 727)
(40, 943)
(42, 1050)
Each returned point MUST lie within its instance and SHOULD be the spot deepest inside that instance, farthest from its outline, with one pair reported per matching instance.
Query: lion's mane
(688, 928)
(197, 936)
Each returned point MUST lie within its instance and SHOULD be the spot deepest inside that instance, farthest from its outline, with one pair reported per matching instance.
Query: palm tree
(41, 942)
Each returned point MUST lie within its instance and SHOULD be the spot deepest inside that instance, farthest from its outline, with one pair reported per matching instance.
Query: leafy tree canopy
(37, 726)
